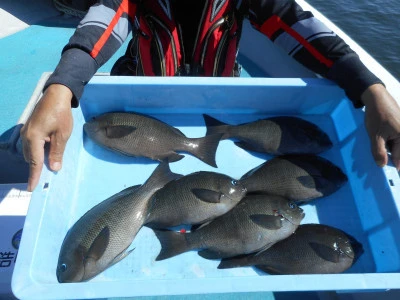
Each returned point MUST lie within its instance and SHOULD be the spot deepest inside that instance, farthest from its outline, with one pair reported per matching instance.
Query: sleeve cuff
(352, 76)
(74, 70)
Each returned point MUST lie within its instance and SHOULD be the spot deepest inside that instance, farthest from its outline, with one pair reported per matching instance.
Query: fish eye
(234, 182)
(292, 205)
(63, 268)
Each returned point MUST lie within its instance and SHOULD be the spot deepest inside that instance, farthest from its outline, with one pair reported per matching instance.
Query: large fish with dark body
(143, 136)
(194, 199)
(296, 177)
(100, 238)
(312, 249)
(256, 223)
(275, 135)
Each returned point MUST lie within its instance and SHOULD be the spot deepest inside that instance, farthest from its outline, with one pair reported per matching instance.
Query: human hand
(51, 122)
(382, 121)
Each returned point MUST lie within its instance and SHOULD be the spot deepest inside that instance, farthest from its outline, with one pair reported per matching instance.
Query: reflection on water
(373, 24)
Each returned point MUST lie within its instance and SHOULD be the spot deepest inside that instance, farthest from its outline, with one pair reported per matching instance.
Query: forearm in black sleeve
(98, 36)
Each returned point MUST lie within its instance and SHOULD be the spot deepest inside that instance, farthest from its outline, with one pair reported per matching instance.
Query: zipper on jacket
(175, 56)
(222, 44)
(183, 54)
(219, 51)
(158, 45)
(199, 29)
(217, 24)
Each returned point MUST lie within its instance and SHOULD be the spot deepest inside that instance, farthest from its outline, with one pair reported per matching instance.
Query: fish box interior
(367, 206)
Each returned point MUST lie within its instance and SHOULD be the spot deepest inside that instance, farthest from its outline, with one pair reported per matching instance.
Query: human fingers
(378, 149)
(35, 152)
(57, 147)
(25, 147)
(34, 164)
(395, 153)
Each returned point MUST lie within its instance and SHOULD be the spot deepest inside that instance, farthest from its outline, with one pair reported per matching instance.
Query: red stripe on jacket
(275, 23)
(125, 7)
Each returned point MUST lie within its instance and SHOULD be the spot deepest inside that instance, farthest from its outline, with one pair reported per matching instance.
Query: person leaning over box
(198, 38)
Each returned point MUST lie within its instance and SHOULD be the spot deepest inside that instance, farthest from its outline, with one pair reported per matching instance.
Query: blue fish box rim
(367, 207)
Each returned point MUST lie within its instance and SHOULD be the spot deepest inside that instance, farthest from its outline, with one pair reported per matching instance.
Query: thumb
(379, 152)
(395, 150)
(57, 147)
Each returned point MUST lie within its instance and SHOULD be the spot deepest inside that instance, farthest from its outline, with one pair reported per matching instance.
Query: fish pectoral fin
(267, 221)
(207, 195)
(307, 181)
(99, 245)
(199, 226)
(119, 131)
(120, 257)
(325, 252)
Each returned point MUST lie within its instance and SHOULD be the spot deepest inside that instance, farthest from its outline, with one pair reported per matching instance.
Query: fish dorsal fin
(207, 195)
(161, 176)
(252, 171)
(267, 221)
(99, 244)
(248, 146)
(177, 131)
(119, 131)
(325, 252)
(268, 269)
(128, 190)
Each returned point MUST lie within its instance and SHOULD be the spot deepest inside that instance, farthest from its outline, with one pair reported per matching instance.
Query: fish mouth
(62, 278)
(90, 128)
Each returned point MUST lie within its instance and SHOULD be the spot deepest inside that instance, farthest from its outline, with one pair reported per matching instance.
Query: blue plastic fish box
(367, 207)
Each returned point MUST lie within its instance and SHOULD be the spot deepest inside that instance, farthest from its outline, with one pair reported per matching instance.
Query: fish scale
(280, 176)
(275, 135)
(236, 232)
(101, 236)
(296, 177)
(241, 235)
(144, 136)
(177, 202)
(269, 137)
(312, 249)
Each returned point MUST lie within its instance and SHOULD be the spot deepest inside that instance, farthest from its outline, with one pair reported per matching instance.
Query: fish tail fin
(172, 243)
(161, 176)
(234, 262)
(215, 126)
(206, 148)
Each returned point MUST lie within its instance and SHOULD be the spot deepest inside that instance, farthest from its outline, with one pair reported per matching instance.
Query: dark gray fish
(143, 136)
(275, 135)
(101, 237)
(312, 249)
(296, 177)
(194, 199)
(256, 223)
